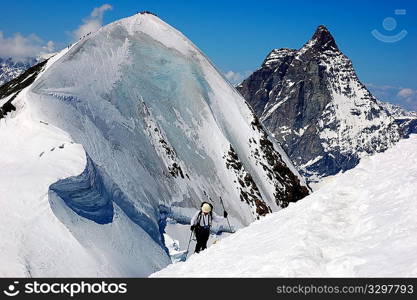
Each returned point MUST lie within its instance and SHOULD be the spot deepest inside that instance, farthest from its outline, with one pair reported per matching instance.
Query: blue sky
(237, 35)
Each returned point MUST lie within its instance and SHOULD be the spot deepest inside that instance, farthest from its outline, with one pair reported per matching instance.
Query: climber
(201, 223)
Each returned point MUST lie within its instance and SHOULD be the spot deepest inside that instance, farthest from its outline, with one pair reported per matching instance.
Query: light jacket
(205, 218)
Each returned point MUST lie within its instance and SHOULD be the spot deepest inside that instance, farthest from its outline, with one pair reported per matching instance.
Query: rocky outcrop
(287, 185)
(248, 189)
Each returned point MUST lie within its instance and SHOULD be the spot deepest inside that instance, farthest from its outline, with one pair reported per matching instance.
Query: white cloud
(381, 87)
(410, 97)
(92, 23)
(405, 97)
(99, 11)
(20, 47)
(236, 77)
(405, 93)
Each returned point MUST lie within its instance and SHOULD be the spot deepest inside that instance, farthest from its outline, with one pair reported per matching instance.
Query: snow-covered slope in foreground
(363, 223)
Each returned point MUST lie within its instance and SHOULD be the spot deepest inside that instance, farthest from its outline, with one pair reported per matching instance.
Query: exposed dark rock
(249, 192)
(175, 170)
(288, 187)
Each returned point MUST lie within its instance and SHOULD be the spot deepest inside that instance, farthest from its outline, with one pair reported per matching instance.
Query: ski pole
(230, 227)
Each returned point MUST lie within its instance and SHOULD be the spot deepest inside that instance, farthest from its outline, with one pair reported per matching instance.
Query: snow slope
(154, 130)
(362, 223)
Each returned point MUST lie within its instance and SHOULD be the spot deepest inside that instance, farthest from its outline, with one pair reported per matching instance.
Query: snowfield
(362, 223)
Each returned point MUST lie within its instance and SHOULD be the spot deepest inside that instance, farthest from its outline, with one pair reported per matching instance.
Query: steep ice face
(157, 122)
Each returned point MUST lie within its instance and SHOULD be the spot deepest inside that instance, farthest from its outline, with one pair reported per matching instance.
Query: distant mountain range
(11, 68)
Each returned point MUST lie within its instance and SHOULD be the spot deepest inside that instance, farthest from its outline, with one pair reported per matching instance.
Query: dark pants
(202, 235)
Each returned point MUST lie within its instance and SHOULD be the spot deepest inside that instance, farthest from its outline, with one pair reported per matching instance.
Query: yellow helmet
(206, 208)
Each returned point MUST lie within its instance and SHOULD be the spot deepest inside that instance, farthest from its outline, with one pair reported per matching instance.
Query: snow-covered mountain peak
(323, 38)
(321, 43)
(151, 25)
(159, 131)
(314, 103)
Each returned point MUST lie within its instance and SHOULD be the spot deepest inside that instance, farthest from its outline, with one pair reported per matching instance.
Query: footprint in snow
(52, 149)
